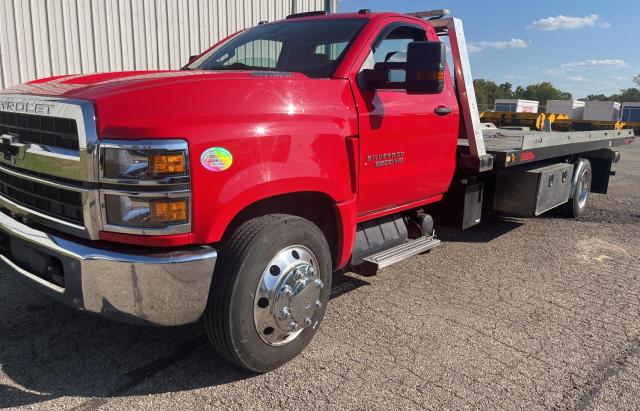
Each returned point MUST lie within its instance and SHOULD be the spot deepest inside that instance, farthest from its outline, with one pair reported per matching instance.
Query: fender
(347, 212)
(232, 208)
(579, 166)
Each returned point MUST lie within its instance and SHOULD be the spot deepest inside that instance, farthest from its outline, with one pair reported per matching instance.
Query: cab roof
(356, 15)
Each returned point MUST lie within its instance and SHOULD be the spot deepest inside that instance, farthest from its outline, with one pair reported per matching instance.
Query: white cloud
(555, 72)
(561, 22)
(571, 70)
(498, 45)
(604, 63)
(577, 79)
(514, 77)
(621, 78)
(582, 89)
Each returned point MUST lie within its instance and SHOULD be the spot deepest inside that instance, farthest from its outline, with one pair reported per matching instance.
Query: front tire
(269, 291)
(577, 204)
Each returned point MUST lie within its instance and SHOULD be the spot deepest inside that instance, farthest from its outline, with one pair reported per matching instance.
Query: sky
(581, 46)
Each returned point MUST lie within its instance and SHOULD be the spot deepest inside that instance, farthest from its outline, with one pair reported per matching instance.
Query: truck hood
(96, 86)
(200, 105)
(284, 132)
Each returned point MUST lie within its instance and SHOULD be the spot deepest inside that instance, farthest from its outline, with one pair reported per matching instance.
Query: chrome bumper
(160, 288)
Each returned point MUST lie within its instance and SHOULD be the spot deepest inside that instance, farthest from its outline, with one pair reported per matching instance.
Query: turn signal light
(425, 75)
(164, 164)
(171, 211)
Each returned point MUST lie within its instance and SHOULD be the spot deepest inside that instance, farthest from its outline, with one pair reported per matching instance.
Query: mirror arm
(375, 78)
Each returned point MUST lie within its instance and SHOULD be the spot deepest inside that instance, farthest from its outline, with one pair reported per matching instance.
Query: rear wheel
(269, 291)
(579, 201)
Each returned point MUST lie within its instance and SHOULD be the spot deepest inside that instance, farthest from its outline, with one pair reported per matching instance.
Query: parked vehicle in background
(630, 112)
(233, 188)
(574, 109)
(517, 106)
(601, 111)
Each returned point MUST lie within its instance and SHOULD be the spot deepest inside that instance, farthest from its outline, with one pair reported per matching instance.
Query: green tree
(544, 92)
(629, 95)
(636, 80)
(504, 90)
(488, 91)
(626, 95)
(485, 92)
(596, 97)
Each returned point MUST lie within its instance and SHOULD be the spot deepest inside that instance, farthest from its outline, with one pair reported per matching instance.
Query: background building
(42, 38)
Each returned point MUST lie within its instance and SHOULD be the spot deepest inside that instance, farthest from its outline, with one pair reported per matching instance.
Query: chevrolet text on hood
(24, 107)
(230, 190)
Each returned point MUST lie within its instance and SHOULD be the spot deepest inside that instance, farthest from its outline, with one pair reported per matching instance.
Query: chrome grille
(53, 201)
(41, 130)
(48, 162)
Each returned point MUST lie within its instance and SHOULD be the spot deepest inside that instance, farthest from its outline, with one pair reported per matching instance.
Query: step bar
(385, 258)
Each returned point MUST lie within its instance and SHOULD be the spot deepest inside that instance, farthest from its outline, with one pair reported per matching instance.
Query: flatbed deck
(514, 147)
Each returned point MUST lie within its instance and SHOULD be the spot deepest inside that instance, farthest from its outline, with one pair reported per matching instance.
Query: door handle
(443, 111)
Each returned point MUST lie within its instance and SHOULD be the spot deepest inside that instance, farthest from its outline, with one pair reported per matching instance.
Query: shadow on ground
(49, 351)
(485, 232)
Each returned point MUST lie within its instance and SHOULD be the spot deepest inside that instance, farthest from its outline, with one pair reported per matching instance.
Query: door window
(393, 49)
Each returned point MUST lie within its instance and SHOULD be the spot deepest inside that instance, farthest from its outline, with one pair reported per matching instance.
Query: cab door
(407, 141)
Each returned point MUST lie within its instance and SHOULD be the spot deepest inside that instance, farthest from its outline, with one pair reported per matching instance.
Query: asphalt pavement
(537, 313)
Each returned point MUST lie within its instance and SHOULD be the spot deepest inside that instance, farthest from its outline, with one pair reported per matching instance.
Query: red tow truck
(230, 190)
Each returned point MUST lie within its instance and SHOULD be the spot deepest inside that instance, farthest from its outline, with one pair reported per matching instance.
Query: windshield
(311, 47)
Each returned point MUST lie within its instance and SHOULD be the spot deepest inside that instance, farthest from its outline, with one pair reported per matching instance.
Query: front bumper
(149, 287)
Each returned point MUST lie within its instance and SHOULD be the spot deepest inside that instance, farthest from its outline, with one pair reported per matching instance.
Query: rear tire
(577, 204)
(248, 293)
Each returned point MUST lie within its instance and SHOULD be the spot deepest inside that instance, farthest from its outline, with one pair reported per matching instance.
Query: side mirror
(426, 67)
(424, 70)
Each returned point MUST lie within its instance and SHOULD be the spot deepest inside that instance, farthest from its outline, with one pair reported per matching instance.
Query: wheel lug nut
(293, 326)
(318, 304)
(287, 291)
(318, 282)
(307, 322)
(284, 314)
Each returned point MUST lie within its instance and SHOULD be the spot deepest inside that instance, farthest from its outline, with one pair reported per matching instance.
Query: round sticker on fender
(216, 159)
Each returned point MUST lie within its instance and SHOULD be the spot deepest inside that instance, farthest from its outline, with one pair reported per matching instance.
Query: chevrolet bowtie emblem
(12, 149)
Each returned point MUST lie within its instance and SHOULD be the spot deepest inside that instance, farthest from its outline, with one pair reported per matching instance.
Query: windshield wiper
(233, 66)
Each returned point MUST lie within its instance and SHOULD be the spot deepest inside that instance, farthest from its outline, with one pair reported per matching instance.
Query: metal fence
(41, 38)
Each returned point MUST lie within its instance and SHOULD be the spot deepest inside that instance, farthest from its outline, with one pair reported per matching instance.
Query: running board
(385, 258)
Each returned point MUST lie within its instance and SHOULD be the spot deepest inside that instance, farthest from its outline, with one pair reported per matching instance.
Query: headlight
(163, 207)
(145, 212)
(152, 161)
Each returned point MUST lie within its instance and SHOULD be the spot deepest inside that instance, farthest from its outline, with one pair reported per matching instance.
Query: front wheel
(269, 291)
(577, 204)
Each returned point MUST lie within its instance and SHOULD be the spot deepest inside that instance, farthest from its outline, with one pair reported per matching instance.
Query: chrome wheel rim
(584, 188)
(287, 296)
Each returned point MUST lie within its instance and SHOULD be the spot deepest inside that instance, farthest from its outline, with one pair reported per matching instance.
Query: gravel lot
(530, 313)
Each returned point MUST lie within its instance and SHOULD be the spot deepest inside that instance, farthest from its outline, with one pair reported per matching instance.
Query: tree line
(488, 91)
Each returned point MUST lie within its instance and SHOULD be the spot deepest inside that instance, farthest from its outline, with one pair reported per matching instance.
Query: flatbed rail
(514, 147)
